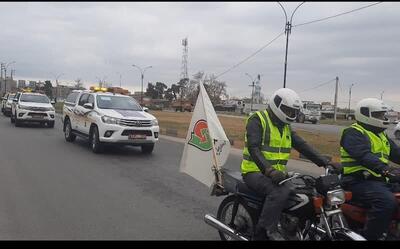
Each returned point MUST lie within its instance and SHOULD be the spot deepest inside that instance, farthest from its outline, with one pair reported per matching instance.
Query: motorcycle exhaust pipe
(212, 221)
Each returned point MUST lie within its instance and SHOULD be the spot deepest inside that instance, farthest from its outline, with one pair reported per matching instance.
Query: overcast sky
(96, 40)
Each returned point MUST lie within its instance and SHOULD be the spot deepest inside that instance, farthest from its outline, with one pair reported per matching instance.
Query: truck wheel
(50, 124)
(69, 136)
(147, 148)
(95, 144)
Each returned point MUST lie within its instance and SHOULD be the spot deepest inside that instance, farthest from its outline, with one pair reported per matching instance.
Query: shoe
(275, 235)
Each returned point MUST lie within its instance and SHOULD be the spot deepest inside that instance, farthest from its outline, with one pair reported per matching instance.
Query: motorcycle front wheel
(244, 222)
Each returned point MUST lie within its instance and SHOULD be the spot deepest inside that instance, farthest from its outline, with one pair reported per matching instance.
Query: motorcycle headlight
(154, 122)
(335, 197)
(109, 120)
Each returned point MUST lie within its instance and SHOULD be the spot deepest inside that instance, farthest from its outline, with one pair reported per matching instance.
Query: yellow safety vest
(380, 147)
(275, 147)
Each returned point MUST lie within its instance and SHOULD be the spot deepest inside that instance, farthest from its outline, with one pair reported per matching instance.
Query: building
(21, 84)
(61, 92)
(7, 85)
(119, 90)
(32, 84)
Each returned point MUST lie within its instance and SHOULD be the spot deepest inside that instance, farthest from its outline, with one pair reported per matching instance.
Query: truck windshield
(11, 97)
(117, 102)
(34, 98)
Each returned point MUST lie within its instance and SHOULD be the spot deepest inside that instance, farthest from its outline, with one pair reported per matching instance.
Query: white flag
(206, 143)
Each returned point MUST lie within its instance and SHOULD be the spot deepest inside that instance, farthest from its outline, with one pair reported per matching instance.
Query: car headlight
(335, 197)
(52, 109)
(154, 122)
(110, 120)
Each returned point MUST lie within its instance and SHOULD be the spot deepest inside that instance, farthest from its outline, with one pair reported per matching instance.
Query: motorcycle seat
(233, 182)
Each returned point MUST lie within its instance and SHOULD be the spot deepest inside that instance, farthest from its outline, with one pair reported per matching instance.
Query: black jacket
(359, 147)
(254, 135)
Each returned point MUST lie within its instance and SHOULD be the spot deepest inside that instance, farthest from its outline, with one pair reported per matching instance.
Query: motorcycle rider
(268, 142)
(365, 153)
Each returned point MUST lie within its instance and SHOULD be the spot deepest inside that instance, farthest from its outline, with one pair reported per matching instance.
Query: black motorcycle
(313, 212)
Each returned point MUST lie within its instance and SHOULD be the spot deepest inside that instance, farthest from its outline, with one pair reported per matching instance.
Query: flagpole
(216, 169)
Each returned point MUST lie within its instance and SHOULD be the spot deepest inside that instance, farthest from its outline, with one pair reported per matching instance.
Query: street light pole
(382, 94)
(142, 76)
(5, 75)
(252, 91)
(350, 98)
(288, 29)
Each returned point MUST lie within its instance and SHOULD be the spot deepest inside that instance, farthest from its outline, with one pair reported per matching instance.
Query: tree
(215, 89)
(151, 91)
(48, 89)
(79, 84)
(160, 88)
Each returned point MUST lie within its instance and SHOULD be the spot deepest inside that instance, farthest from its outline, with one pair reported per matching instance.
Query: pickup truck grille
(38, 109)
(135, 123)
(136, 132)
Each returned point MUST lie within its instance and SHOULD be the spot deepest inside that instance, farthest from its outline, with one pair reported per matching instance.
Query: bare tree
(78, 83)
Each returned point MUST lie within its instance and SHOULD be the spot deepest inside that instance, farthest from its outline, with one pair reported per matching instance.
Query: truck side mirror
(145, 109)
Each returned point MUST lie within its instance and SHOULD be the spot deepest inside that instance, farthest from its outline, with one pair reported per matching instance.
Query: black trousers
(276, 198)
(378, 197)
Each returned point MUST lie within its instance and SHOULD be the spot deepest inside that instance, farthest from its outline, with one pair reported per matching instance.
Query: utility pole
(252, 91)
(336, 96)
(349, 99)
(382, 94)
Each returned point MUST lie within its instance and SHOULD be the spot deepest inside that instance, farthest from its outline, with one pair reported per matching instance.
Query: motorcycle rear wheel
(244, 222)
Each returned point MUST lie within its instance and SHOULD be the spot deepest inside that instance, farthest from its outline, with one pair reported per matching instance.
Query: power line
(319, 85)
(322, 19)
(253, 54)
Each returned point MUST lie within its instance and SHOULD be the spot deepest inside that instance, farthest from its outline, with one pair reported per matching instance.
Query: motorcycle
(313, 211)
(356, 216)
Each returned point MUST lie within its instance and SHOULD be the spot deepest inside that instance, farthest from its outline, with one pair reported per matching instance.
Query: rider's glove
(392, 174)
(276, 175)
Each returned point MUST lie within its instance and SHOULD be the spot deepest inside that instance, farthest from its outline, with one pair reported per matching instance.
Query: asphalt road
(51, 189)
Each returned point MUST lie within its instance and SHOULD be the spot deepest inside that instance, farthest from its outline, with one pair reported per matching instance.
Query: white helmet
(285, 104)
(373, 112)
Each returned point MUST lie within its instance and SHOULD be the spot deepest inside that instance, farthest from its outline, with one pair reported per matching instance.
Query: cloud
(89, 40)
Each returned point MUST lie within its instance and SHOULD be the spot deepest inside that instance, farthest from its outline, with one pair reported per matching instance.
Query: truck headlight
(24, 107)
(154, 122)
(335, 197)
(110, 120)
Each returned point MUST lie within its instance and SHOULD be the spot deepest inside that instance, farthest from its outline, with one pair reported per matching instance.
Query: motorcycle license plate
(137, 136)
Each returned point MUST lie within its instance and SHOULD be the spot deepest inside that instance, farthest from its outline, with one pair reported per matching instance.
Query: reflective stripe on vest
(275, 148)
(380, 147)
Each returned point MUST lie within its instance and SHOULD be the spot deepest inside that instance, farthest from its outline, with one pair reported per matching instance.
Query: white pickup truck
(103, 117)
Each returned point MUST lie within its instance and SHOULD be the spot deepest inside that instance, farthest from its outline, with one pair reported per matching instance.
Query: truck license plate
(137, 136)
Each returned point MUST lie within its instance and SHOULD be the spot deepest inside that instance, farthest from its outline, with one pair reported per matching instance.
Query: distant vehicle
(6, 103)
(397, 131)
(103, 117)
(310, 111)
(32, 107)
